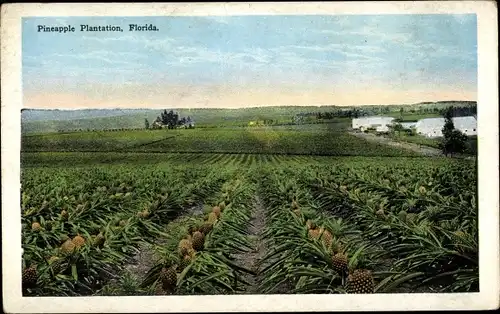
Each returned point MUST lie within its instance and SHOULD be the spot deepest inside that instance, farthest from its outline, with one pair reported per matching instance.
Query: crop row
(426, 229)
(237, 140)
(81, 227)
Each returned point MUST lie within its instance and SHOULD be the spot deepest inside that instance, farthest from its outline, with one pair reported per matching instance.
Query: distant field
(205, 118)
(318, 139)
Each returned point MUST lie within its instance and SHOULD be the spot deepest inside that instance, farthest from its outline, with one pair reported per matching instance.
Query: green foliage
(453, 140)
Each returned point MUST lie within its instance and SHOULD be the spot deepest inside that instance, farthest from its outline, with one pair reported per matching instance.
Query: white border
(11, 104)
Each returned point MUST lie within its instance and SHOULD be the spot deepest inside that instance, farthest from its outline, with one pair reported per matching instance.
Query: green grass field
(316, 139)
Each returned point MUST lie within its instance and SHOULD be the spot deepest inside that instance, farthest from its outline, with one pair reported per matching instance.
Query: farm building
(371, 122)
(409, 125)
(382, 128)
(432, 127)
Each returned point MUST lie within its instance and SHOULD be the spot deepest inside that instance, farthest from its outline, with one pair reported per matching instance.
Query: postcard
(236, 157)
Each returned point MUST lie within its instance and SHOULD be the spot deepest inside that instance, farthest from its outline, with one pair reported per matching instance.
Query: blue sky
(215, 61)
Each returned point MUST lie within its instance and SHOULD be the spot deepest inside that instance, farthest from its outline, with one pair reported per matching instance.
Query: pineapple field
(106, 224)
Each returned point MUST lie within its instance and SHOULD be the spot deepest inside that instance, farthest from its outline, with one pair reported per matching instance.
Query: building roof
(458, 122)
(373, 118)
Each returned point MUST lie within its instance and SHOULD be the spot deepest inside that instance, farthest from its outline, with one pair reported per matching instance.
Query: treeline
(456, 111)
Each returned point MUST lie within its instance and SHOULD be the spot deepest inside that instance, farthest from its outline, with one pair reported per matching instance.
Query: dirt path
(424, 150)
(251, 259)
(138, 265)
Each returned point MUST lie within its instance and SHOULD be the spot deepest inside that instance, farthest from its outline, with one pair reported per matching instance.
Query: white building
(409, 125)
(432, 127)
(371, 122)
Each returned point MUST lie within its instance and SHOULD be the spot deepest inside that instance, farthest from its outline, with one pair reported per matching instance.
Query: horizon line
(254, 107)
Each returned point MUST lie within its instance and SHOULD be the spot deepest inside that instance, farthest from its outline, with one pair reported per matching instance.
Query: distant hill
(48, 121)
(58, 115)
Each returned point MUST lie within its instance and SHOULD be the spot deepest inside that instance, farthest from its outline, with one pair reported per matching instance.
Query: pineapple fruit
(402, 215)
(99, 240)
(68, 247)
(212, 218)
(310, 224)
(206, 228)
(64, 215)
(185, 247)
(217, 211)
(30, 276)
(198, 241)
(314, 233)
(78, 241)
(360, 281)
(340, 263)
(168, 278)
(56, 264)
(36, 227)
(185, 261)
(411, 217)
(380, 213)
(327, 238)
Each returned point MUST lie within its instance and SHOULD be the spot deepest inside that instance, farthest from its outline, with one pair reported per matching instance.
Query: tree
(453, 141)
(146, 124)
(398, 127)
(448, 122)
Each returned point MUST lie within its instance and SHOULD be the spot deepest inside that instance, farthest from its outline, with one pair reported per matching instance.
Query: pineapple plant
(78, 241)
(68, 247)
(340, 263)
(198, 241)
(36, 227)
(30, 276)
(360, 281)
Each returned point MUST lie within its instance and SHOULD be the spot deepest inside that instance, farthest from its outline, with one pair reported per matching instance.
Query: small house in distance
(432, 127)
(379, 123)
